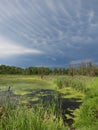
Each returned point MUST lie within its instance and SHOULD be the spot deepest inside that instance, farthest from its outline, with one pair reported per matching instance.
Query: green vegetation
(86, 117)
(36, 104)
(86, 69)
(32, 70)
(23, 118)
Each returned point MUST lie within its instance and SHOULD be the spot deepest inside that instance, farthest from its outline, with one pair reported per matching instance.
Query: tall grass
(78, 83)
(48, 116)
(86, 117)
(38, 117)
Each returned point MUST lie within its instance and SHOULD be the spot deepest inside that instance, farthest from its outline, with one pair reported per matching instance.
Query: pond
(46, 97)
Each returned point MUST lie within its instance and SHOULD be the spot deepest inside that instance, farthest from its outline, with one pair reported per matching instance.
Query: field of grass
(31, 90)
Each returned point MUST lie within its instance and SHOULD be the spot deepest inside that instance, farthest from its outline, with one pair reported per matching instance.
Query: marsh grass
(43, 116)
(48, 116)
(79, 83)
(86, 117)
(35, 118)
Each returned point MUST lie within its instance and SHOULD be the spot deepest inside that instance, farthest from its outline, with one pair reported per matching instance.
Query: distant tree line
(90, 70)
(10, 70)
(31, 70)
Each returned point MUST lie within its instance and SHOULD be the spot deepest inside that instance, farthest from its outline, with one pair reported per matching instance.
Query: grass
(31, 88)
(23, 118)
(87, 115)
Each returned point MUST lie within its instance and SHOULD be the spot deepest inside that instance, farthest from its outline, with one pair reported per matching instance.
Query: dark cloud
(62, 30)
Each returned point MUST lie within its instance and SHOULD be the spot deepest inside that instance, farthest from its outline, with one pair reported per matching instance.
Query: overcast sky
(48, 32)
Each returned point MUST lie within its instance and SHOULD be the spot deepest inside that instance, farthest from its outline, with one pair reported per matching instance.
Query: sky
(49, 33)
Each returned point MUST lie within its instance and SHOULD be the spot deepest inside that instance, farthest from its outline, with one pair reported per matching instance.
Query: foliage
(88, 114)
(74, 82)
(32, 70)
(59, 84)
(35, 118)
(45, 118)
(91, 70)
(86, 117)
(10, 70)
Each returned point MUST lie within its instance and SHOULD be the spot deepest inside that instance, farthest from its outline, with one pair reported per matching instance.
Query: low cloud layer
(10, 49)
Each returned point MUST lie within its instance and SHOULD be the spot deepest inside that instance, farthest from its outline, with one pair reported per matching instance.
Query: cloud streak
(61, 29)
(9, 49)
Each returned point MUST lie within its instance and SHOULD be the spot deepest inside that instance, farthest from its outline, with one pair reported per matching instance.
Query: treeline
(31, 70)
(90, 71)
(10, 70)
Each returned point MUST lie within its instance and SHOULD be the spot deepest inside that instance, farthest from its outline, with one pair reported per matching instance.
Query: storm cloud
(48, 32)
